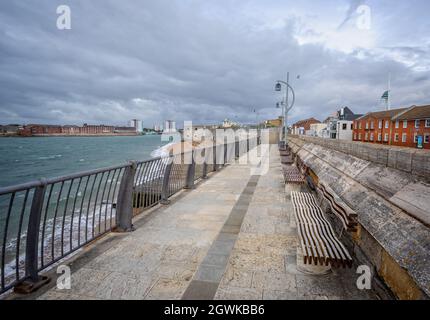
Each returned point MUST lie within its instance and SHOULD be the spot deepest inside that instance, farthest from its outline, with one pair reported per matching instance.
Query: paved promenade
(233, 237)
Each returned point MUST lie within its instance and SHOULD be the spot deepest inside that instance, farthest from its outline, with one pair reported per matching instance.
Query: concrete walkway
(233, 237)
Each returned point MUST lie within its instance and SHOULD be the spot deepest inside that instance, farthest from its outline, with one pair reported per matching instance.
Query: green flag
(385, 95)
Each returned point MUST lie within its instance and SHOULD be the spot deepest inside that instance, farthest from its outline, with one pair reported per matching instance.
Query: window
(415, 138)
(417, 123)
(387, 124)
(344, 126)
(427, 123)
(356, 125)
(359, 136)
(355, 136)
(359, 125)
(380, 124)
(379, 136)
(386, 137)
(396, 137)
(366, 137)
(405, 124)
(367, 125)
(427, 138)
(372, 125)
(371, 136)
(404, 136)
(397, 124)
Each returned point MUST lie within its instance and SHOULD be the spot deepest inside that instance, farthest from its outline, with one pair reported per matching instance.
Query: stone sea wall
(389, 189)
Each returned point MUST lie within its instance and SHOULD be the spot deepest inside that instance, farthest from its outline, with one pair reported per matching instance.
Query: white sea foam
(162, 151)
(55, 156)
(81, 226)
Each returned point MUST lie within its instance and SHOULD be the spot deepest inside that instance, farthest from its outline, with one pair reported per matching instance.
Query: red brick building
(43, 129)
(300, 127)
(409, 125)
(400, 127)
(86, 129)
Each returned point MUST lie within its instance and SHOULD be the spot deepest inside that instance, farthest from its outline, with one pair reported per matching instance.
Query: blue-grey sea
(26, 159)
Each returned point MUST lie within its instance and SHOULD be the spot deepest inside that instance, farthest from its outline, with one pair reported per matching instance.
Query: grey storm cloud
(185, 60)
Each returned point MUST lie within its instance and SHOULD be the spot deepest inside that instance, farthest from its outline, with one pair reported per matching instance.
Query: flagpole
(389, 91)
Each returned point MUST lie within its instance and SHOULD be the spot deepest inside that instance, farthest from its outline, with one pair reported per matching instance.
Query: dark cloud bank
(185, 60)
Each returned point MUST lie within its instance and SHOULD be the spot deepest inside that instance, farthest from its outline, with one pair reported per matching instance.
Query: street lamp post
(278, 106)
(288, 107)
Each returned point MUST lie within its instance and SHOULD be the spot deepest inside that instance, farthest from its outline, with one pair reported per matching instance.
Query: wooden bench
(287, 160)
(292, 175)
(345, 214)
(318, 240)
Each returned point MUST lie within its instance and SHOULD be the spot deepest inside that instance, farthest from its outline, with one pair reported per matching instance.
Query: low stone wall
(392, 203)
(409, 160)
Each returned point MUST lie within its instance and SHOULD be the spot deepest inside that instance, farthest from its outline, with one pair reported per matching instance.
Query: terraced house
(405, 127)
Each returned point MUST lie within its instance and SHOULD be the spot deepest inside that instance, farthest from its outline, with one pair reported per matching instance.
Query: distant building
(10, 129)
(73, 130)
(199, 132)
(125, 130)
(169, 126)
(406, 127)
(300, 127)
(229, 124)
(157, 128)
(88, 129)
(340, 124)
(274, 123)
(317, 130)
(137, 124)
(344, 129)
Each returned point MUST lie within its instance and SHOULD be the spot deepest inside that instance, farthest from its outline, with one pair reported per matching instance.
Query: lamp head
(278, 87)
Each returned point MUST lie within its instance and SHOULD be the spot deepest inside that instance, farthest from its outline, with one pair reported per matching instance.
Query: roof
(414, 112)
(306, 123)
(312, 120)
(383, 114)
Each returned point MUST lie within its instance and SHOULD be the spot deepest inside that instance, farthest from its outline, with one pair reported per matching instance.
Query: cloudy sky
(207, 60)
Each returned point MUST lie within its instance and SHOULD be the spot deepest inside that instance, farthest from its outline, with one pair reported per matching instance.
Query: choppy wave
(162, 151)
(76, 229)
(51, 157)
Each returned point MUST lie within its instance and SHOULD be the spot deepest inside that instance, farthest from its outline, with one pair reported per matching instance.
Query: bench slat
(317, 237)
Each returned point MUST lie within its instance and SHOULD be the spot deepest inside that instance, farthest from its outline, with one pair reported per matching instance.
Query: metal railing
(42, 222)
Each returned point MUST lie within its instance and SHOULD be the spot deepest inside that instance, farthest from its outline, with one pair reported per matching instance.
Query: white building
(137, 124)
(169, 126)
(317, 130)
(344, 130)
(229, 124)
(339, 125)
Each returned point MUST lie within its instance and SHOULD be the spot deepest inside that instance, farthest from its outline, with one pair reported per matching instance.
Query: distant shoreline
(73, 135)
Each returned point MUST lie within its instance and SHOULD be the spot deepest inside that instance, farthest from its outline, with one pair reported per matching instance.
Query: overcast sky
(207, 60)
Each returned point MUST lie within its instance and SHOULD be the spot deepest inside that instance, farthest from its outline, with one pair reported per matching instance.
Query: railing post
(124, 207)
(34, 281)
(191, 172)
(166, 178)
(225, 153)
(215, 157)
(205, 166)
